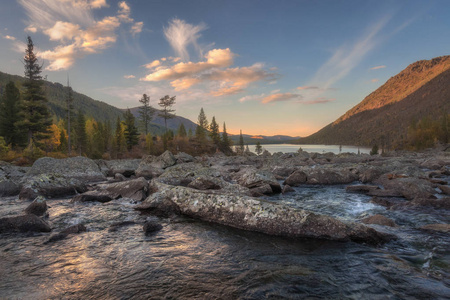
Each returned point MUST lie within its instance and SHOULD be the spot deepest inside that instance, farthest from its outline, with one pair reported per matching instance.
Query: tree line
(28, 130)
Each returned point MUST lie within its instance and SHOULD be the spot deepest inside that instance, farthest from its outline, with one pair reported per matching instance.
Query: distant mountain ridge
(421, 89)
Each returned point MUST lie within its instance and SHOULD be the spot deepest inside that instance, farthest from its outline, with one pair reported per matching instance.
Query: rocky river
(282, 226)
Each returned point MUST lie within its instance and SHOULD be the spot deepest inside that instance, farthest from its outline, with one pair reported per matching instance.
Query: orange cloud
(378, 67)
(280, 97)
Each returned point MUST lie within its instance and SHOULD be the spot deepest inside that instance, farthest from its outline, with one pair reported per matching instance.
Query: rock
(364, 189)
(136, 189)
(379, 220)
(331, 176)
(182, 157)
(119, 177)
(38, 207)
(445, 228)
(100, 196)
(283, 171)
(445, 189)
(151, 227)
(115, 226)
(126, 167)
(252, 178)
(261, 190)
(371, 174)
(263, 216)
(81, 168)
(63, 234)
(443, 203)
(160, 205)
(295, 179)
(384, 193)
(11, 179)
(382, 201)
(204, 183)
(287, 189)
(23, 223)
(50, 186)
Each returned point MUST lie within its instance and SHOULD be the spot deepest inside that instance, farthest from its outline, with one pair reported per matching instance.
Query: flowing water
(336, 149)
(191, 259)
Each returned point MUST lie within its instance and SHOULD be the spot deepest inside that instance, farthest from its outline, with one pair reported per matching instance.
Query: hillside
(262, 139)
(383, 117)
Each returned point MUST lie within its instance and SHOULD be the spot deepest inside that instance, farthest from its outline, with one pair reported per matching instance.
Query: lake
(285, 148)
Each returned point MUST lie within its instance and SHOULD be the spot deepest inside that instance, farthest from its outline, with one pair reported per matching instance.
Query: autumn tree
(131, 132)
(214, 132)
(9, 115)
(166, 112)
(145, 112)
(34, 112)
(53, 139)
(119, 137)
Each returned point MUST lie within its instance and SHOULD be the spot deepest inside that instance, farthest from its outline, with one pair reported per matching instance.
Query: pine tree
(166, 103)
(214, 132)
(241, 143)
(69, 112)
(202, 125)
(182, 131)
(35, 115)
(131, 132)
(258, 148)
(145, 112)
(226, 143)
(9, 115)
(81, 134)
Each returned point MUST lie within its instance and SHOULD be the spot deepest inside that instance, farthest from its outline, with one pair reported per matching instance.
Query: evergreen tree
(182, 131)
(9, 114)
(214, 132)
(226, 143)
(190, 133)
(241, 143)
(258, 148)
(119, 140)
(202, 125)
(166, 103)
(35, 115)
(69, 111)
(81, 134)
(145, 112)
(63, 141)
(131, 132)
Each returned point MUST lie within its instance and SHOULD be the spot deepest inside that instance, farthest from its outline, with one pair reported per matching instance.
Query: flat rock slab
(24, 223)
(363, 189)
(92, 196)
(258, 215)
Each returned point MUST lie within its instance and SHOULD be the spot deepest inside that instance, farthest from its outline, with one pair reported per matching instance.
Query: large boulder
(258, 215)
(252, 178)
(50, 186)
(11, 179)
(151, 166)
(136, 189)
(331, 176)
(24, 223)
(408, 187)
(81, 168)
(297, 178)
(126, 167)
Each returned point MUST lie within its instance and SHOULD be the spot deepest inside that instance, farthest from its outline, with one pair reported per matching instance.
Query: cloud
(184, 83)
(153, 64)
(281, 97)
(129, 76)
(301, 88)
(71, 23)
(345, 58)
(319, 100)
(180, 35)
(8, 37)
(378, 67)
(252, 97)
(375, 80)
(137, 28)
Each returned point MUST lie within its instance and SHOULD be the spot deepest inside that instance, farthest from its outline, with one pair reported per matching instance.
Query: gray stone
(24, 223)
(295, 179)
(379, 220)
(38, 207)
(90, 196)
(126, 167)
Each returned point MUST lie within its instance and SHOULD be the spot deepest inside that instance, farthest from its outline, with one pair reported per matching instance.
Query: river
(190, 259)
(336, 149)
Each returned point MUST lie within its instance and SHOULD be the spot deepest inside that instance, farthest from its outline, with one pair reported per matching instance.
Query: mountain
(173, 124)
(383, 117)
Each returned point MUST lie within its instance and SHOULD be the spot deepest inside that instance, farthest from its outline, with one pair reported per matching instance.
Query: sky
(263, 67)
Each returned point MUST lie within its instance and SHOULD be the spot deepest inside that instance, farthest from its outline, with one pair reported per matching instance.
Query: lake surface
(285, 148)
(189, 259)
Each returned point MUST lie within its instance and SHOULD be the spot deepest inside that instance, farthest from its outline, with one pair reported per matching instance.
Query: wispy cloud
(181, 34)
(8, 37)
(346, 57)
(319, 100)
(73, 26)
(374, 80)
(307, 87)
(378, 67)
(129, 76)
(280, 97)
(137, 28)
